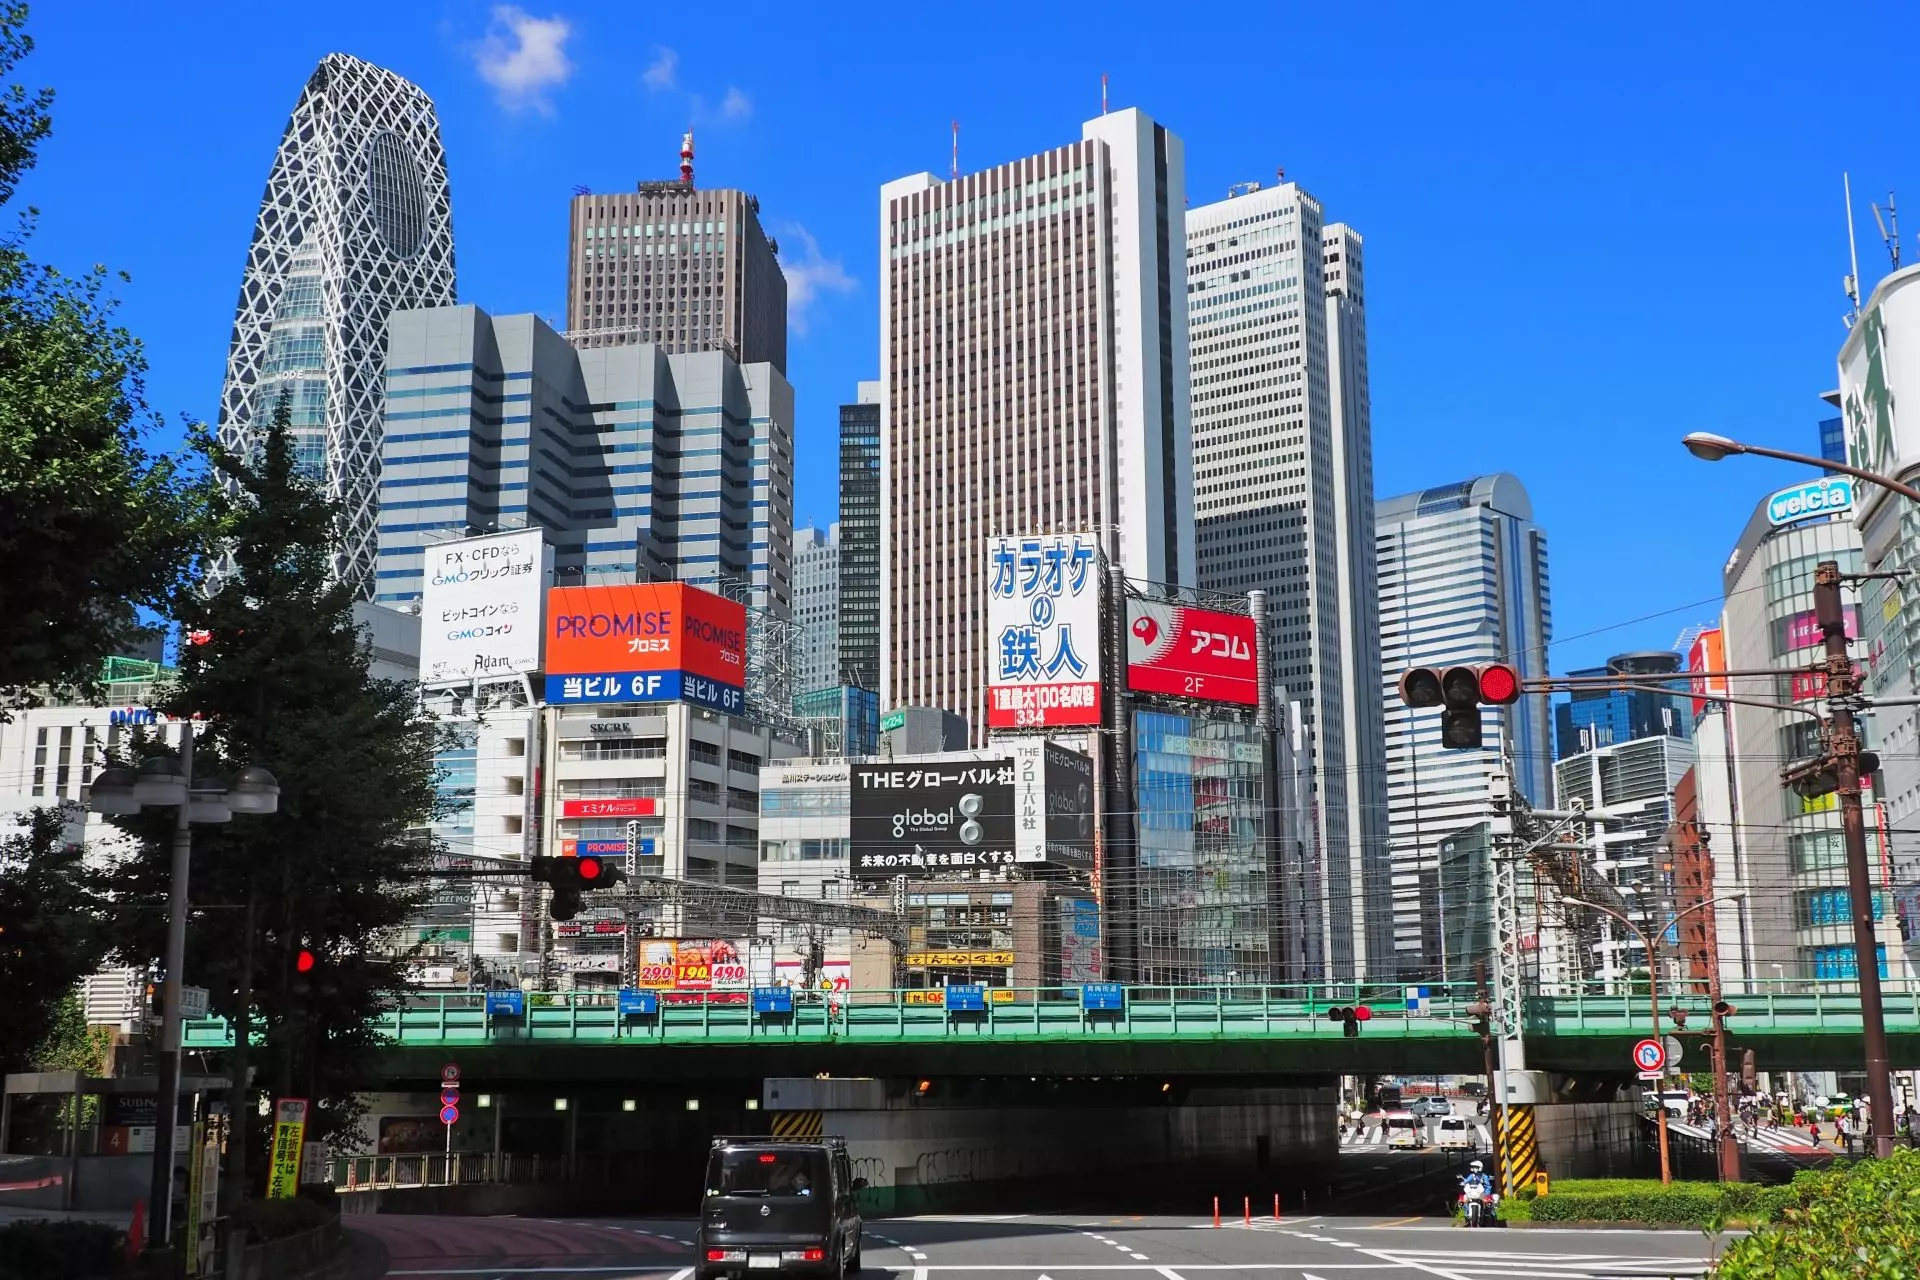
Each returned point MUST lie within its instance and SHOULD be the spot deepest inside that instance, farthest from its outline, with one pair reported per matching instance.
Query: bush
(1857, 1222)
(1692, 1204)
(37, 1249)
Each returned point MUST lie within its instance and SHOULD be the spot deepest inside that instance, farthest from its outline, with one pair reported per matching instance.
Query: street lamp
(1723, 1114)
(164, 782)
(1843, 751)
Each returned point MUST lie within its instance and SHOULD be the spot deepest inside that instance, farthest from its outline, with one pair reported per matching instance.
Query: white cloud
(809, 273)
(663, 72)
(523, 57)
(736, 105)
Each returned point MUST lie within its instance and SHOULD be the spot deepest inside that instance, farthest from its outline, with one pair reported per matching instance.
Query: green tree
(92, 526)
(283, 682)
(53, 932)
(72, 1045)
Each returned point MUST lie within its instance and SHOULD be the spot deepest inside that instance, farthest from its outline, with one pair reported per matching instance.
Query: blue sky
(1587, 232)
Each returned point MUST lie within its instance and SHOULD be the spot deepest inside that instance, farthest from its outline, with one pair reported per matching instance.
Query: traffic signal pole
(1843, 749)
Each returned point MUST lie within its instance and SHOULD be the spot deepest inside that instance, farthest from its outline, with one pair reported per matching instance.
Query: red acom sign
(1185, 652)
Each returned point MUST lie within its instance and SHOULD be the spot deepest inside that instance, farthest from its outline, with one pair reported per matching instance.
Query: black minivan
(778, 1206)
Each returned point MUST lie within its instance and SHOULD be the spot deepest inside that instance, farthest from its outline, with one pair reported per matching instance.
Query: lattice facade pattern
(356, 223)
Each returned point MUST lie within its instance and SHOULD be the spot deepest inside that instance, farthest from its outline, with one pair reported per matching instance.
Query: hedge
(1691, 1204)
(1857, 1222)
(39, 1249)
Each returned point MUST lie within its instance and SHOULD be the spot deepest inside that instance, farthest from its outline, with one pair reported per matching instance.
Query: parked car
(1431, 1107)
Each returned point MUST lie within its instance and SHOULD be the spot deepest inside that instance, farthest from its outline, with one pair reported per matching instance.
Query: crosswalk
(1375, 1136)
(1478, 1264)
(1793, 1142)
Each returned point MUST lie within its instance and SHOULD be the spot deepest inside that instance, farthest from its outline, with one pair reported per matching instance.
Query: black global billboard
(924, 816)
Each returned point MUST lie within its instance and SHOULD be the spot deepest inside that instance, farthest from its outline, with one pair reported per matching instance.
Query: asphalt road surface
(1061, 1247)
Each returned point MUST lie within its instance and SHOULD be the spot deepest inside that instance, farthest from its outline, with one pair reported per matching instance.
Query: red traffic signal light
(1499, 684)
(303, 962)
(1361, 1013)
(587, 868)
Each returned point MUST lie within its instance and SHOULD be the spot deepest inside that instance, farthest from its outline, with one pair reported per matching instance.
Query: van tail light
(804, 1255)
(726, 1255)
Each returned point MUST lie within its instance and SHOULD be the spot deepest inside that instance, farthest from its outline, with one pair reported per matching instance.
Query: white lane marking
(1169, 1273)
(1137, 1257)
(681, 1274)
(919, 1273)
(498, 1270)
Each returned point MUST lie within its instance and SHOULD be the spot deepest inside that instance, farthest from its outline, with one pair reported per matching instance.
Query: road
(1372, 1133)
(1062, 1247)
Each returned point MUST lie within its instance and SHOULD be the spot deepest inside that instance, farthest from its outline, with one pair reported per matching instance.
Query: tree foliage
(53, 932)
(283, 682)
(91, 524)
(1854, 1222)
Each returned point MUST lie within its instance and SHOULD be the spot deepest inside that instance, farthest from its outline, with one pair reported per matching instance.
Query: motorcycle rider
(1477, 1179)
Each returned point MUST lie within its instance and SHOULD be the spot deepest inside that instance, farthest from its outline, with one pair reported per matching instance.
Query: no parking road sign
(1650, 1055)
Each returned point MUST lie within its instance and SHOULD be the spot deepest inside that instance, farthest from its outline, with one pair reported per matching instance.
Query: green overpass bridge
(1213, 1031)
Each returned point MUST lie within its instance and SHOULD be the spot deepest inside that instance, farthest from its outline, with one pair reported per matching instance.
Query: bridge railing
(468, 1168)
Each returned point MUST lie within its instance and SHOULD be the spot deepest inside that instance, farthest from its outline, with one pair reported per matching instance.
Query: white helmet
(1476, 1167)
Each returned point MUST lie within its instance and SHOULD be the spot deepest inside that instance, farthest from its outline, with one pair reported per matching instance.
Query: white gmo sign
(480, 607)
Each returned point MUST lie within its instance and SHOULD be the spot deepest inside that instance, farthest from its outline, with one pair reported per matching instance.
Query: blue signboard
(1103, 995)
(967, 998)
(647, 686)
(506, 1004)
(638, 1002)
(1825, 497)
(773, 999)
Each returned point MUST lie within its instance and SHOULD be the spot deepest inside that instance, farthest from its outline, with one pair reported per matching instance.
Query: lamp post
(163, 782)
(1844, 754)
(1723, 1112)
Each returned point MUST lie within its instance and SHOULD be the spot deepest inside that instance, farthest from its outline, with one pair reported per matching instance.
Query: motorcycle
(1477, 1204)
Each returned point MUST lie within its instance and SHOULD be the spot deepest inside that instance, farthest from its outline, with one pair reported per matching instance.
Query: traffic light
(309, 975)
(571, 877)
(1721, 1009)
(1460, 691)
(1350, 1017)
(1811, 779)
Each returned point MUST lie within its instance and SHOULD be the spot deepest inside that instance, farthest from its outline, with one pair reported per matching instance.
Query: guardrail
(468, 1168)
(1015, 1014)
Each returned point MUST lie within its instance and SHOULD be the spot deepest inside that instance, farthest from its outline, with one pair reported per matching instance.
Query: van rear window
(763, 1171)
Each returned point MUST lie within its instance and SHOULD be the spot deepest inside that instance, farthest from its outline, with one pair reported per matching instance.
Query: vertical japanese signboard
(289, 1135)
(1043, 631)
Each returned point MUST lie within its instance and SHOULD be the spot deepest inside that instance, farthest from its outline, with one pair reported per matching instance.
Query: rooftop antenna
(1103, 93)
(1890, 238)
(1853, 254)
(1280, 173)
(582, 190)
(956, 149)
(686, 158)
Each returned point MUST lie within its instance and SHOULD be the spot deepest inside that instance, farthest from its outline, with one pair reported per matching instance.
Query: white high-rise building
(356, 223)
(816, 608)
(1463, 579)
(1283, 498)
(1033, 378)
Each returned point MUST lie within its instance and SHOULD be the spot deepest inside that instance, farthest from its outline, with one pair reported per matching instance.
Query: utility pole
(1693, 866)
(1843, 751)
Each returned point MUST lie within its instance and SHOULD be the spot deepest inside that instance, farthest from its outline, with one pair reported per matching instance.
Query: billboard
(931, 815)
(1881, 352)
(1184, 652)
(1079, 925)
(1708, 653)
(1824, 497)
(646, 642)
(1043, 631)
(671, 964)
(1053, 804)
(480, 606)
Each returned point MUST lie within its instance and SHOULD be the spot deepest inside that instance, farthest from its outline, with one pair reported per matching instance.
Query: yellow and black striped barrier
(1519, 1148)
(798, 1125)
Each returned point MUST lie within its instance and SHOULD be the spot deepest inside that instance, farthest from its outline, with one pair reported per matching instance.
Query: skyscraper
(860, 540)
(1593, 718)
(1463, 578)
(816, 608)
(1033, 371)
(356, 223)
(644, 466)
(1283, 501)
(685, 268)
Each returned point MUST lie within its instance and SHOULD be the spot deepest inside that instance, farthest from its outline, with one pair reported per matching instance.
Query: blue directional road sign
(967, 998)
(634, 1001)
(773, 999)
(1109, 996)
(510, 1004)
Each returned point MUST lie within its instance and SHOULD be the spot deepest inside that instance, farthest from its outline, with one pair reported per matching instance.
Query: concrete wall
(1589, 1139)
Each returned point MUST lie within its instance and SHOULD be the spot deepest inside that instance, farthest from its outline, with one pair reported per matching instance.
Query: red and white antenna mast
(686, 158)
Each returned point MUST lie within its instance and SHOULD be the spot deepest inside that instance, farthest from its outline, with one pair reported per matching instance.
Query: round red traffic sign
(1649, 1055)
(449, 1114)
(450, 1074)
(450, 1096)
